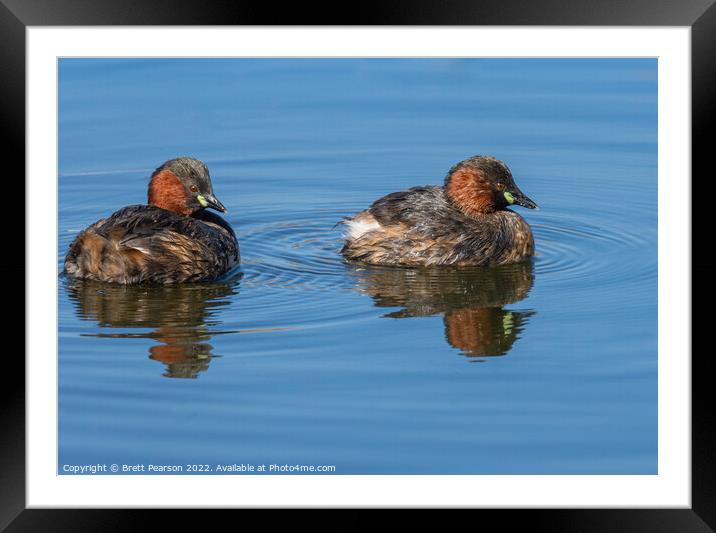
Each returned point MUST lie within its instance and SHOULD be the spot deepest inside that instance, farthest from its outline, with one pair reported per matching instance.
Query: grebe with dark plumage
(464, 222)
(173, 239)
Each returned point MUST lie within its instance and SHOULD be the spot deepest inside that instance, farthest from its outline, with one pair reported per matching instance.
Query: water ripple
(300, 250)
(577, 252)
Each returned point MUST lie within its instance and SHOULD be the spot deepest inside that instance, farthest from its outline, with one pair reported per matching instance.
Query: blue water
(547, 367)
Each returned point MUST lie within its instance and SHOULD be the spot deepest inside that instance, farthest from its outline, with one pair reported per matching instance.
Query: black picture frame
(699, 15)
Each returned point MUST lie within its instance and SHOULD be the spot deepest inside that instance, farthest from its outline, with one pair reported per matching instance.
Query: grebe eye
(193, 188)
(500, 186)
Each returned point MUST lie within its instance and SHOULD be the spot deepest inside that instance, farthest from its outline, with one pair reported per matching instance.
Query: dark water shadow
(471, 301)
(181, 318)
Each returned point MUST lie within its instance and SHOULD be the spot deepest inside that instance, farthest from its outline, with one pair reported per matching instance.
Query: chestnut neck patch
(168, 192)
(470, 192)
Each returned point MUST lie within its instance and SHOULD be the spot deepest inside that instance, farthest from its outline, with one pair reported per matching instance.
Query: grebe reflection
(181, 317)
(471, 300)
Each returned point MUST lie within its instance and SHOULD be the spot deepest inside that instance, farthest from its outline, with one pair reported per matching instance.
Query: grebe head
(183, 185)
(482, 185)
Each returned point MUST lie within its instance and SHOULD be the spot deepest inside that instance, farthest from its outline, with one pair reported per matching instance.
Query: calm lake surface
(546, 367)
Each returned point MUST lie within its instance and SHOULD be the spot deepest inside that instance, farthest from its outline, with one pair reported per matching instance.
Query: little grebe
(464, 222)
(171, 240)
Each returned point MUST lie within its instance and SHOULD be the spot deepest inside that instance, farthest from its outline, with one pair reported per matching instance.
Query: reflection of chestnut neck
(471, 330)
(177, 346)
(167, 191)
(470, 192)
(181, 353)
(482, 332)
(171, 353)
(180, 362)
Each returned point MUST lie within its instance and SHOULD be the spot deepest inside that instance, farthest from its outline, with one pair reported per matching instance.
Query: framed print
(303, 266)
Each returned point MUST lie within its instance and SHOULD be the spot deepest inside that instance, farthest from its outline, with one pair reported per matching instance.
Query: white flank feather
(357, 228)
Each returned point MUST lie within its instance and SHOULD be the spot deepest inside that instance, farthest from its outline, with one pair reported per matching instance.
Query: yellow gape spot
(510, 199)
(507, 323)
(204, 203)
